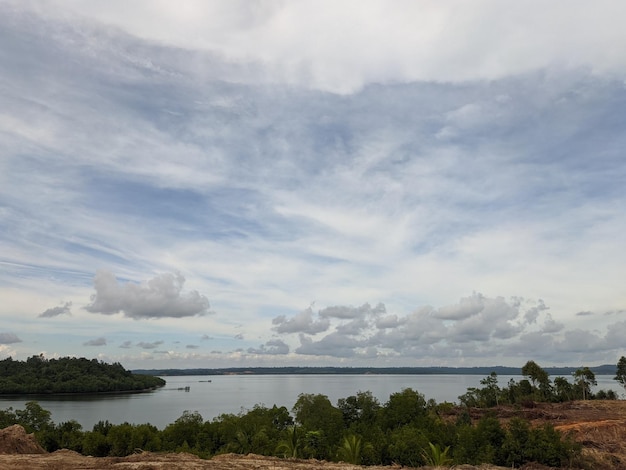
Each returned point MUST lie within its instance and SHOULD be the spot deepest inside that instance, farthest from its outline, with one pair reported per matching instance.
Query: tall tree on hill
(537, 376)
(620, 374)
(585, 379)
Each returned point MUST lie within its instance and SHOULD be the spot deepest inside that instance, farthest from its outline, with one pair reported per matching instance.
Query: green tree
(585, 378)
(564, 390)
(514, 448)
(185, 429)
(405, 446)
(435, 457)
(119, 439)
(492, 391)
(315, 413)
(290, 446)
(479, 444)
(33, 417)
(539, 378)
(402, 408)
(361, 408)
(95, 444)
(620, 374)
(350, 449)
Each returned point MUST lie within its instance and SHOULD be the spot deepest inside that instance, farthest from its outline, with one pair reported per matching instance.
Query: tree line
(406, 430)
(38, 375)
(537, 386)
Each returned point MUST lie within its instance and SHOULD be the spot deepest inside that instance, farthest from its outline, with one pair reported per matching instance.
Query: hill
(38, 375)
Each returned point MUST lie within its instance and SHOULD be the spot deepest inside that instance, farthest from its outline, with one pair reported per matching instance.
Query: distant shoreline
(606, 369)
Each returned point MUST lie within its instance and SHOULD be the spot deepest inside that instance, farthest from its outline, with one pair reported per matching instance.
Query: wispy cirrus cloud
(386, 178)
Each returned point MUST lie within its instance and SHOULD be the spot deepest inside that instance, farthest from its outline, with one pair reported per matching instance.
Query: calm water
(234, 393)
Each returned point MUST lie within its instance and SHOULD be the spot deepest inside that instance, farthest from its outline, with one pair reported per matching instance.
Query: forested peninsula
(38, 375)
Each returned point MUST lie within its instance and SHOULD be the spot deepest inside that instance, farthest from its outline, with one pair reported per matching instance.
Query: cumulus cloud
(159, 297)
(466, 308)
(303, 322)
(334, 344)
(389, 321)
(96, 342)
(192, 346)
(344, 312)
(552, 326)
(146, 345)
(9, 338)
(126, 345)
(274, 346)
(476, 325)
(56, 311)
(533, 313)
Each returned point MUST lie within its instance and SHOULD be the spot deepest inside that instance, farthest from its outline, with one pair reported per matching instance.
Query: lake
(234, 393)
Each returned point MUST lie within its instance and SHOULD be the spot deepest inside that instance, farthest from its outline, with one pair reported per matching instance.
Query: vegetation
(620, 374)
(537, 387)
(407, 430)
(317, 429)
(38, 375)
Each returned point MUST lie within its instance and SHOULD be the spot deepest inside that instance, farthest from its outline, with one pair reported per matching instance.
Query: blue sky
(241, 183)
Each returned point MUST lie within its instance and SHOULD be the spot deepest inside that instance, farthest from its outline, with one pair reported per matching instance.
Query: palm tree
(290, 447)
(350, 450)
(436, 457)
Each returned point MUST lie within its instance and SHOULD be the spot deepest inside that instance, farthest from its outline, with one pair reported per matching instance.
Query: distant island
(606, 369)
(38, 375)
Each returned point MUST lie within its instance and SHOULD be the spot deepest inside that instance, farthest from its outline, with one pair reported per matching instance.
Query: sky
(309, 183)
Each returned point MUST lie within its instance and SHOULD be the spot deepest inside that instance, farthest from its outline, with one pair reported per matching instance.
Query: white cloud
(156, 298)
(450, 162)
(96, 342)
(274, 346)
(149, 345)
(56, 311)
(9, 338)
(343, 312)
(303, 322)
(343, 46)
(334, 344)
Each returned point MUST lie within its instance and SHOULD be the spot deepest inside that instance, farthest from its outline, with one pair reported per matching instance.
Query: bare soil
(600, 426)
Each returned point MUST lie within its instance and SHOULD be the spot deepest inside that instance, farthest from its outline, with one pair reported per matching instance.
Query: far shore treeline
(38, 375)
(605, 369)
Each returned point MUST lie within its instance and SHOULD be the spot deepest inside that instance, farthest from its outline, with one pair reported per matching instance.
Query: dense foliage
(407, 430)
(38, 375)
